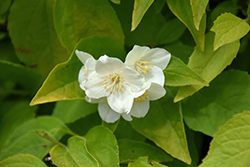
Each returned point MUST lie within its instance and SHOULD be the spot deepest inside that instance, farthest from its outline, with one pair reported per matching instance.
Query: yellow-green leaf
(228, 28)
(140, 8)
(231, 144)
(198, 9)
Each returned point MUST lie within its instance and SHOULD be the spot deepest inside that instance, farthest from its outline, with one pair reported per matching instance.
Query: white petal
(106, 65)
(158, 57)
(156, 91)
(135, 54)
(94, 87)
(92, 100)
(155, 75)
(132, 78)
(127, 117)
(83, 56)
(140, 109)
(121, 101)
(90, 66)
(107, 114)
(82, 77)
(145, 87)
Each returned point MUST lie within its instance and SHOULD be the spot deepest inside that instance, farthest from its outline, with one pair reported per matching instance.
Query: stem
(46, 136)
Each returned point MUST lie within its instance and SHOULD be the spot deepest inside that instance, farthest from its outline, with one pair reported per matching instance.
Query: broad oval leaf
(208, 64)
(72, 110)
(198, 9)
(231, 144)
(228, 28)
(164, 126)
(22, 160)
(212, 107)
(33, 35)
(75, 154)
(182, 9)
(130, 150)
(140, 8)
(171, 31)
(62, 82)
(143, 162)
(102, 145)
(25, 140)
(178, 73)
(79, 19)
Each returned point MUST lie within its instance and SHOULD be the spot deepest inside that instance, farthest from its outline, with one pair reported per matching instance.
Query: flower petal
(107, 114)
(145, 87)
(82, 77)
(156, 91)
(90, 66)
(106, 65)
(121, 101)
(134, 55)
(94, 86)
(127, 117)
(132, 78)
(158, 57)
(83, 56)
(155, 75)
(140, 109)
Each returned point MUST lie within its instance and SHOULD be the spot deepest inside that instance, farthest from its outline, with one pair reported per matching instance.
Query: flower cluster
(124, 89)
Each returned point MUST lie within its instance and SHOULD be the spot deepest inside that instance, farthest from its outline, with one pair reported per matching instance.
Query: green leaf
(22, 160)
(23, 76)
(116, 1)
(130, 150)
(25, 140)
(178, 74)
(231, 144)
(228, 28)
(182, 9)
(13, 114)
(102, 145)
(208, 64)
(140, 8)
(164, 126)
(76, 154)
(180, 50)
(7, 52)
(62, 82)
(147, 30)
(171, 31)
(70, 111)
(75, 20)
(198, 9)
(212, 107)
(111, 126)
(4, 6)
(143, 162)
(33, 35)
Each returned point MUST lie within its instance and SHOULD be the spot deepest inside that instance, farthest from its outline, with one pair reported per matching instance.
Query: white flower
(88, 68)
(113, 80)
(149, 62)
(139, 109)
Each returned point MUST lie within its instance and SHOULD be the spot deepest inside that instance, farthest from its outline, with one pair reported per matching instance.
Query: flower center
(143, 66)
(141, 98)
(114, 83)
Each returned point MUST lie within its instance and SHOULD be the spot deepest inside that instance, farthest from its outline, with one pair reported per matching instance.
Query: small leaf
(228, 28)
(75, 20)
(212, 107)
(143, 162)
(164, 126)
(25, 140)
(4, 6)
(70, 111)
(62, 82)
(178, 74)
(34, 36)
(198, 9)
(231, 144)
(182, 9)
(76, 154)
(12, 115)
(116, 1)
(102, 145)
(208, 64)
(130, 150)
(171, 31)
(140, 8)
(22, 160)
